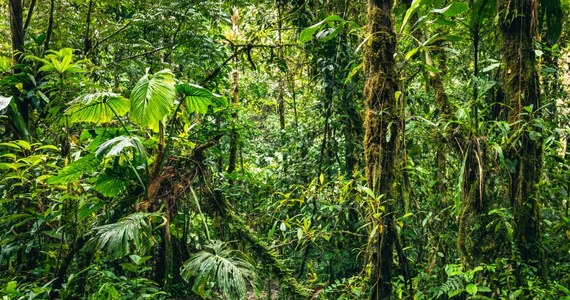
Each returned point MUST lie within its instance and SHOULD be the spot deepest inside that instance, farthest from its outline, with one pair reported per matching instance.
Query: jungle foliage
(285, 149)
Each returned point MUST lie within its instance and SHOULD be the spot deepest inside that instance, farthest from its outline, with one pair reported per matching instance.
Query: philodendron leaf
(152, 99)
(97, 108)
(4, 102)
(198, 99)
(229, 271)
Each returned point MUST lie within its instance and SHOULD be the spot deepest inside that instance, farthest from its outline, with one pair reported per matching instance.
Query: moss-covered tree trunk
(381, 128)
(478, 242)
(517, 23)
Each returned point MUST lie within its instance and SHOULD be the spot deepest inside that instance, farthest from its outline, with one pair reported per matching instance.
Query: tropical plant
(133, 232)
(229, 271)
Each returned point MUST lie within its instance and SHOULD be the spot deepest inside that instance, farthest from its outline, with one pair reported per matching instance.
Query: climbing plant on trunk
(517, 23)
(380, 140)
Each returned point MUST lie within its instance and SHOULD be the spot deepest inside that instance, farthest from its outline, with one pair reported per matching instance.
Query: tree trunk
(235, 101)
(29, 16)
(517, 24)
(478, 243)
(50, 26)
(17, 26)
(281, 99)
(87, 44)
(17, 37)
(381, 128)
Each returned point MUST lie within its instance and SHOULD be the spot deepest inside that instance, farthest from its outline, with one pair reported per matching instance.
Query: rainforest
(284, 149)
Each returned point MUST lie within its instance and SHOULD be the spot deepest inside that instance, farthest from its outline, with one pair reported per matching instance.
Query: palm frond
(229, 270)
(97, 108)
(132, 232)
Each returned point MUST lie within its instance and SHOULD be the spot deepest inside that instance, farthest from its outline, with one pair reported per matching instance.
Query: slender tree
(17, 25)
(235, 98)
(381, 128)
(49, 29)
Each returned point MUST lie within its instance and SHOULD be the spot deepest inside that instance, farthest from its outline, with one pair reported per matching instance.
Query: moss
(521, 89)
(381, 136)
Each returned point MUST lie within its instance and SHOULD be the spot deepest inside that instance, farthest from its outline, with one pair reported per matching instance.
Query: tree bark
(281, 99)
(87, 45)
(381, 128)
(235, 101)
(50, 26)
(520, 84)
(17, 37)
(478, 243)
(29, 16)
(17, 26)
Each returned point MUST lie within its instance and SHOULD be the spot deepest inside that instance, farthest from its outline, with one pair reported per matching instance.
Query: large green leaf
(118, 239)
(115, 146)
(5, 64)
(308, 33)
(228, 270)
(198, 99)
(75, 170)
(19, 122)
(152, 99)
(97, 108)
(453, 9)
(111, 185)
(413, 7)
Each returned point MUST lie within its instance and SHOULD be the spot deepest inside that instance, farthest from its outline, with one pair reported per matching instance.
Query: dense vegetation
(285, 149)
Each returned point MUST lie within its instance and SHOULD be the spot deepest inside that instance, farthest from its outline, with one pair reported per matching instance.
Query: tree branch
(29, 16)
(218, 69)
(108, 37)
(144, 53)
